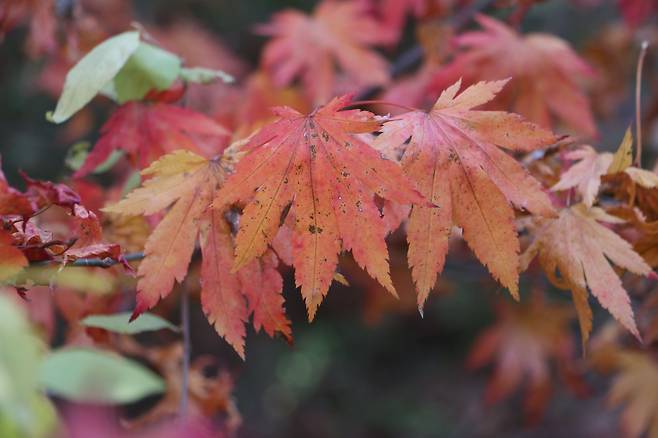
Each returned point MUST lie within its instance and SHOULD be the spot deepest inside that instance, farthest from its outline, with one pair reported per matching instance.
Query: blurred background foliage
(368, 365)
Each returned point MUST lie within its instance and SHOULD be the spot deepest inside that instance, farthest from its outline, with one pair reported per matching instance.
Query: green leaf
(97, 376)
(88, 281)
(77, 154)
(132, 182)
(149, 68)
(204, 75)
(92, 73)
(120, 323)
(25, 412)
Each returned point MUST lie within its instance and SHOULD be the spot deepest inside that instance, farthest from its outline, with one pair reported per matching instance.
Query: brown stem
(638, 106)
(185, 328)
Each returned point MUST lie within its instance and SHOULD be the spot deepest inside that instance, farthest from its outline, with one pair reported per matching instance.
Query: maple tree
(215, 178)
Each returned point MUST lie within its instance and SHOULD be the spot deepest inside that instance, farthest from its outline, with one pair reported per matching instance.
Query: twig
(638, 103)
(95, 262)
(185, 327)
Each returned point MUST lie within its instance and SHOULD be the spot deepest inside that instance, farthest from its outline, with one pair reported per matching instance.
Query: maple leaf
(581, 249)
(17, 209)
(453, 157)
(543, 66)
(146, 131)
(12, 260)
(585, 175)
(90, 243)
(338, 33)
(188, 182)
(523, 343)
(38, 195)
(45, 193)
(12, 201)
(330, 176)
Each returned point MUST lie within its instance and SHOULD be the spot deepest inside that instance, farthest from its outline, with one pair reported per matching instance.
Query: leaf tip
(139, 309)
(50, 116)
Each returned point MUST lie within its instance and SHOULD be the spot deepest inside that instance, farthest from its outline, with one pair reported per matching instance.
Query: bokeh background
(369, 365)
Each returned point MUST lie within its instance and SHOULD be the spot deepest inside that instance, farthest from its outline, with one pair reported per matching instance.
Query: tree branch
(95, 262)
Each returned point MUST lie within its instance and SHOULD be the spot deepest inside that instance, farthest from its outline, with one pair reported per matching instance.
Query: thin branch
(95, 262)
(638, 103)
(185, 327)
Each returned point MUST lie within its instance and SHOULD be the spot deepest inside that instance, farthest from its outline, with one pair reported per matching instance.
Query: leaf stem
(638, 106)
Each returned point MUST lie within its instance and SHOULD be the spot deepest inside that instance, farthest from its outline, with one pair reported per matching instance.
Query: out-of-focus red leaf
(545, 73)
(148, 131)
(310, 47)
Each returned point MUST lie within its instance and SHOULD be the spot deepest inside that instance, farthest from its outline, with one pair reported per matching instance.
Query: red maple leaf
(329, 175)
(146, 131)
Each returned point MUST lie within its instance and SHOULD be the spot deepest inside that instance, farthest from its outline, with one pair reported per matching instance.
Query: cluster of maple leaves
(248, 189)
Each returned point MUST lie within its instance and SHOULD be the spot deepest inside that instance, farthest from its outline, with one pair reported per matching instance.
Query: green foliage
(149, 68)
(92, 73)
(97, 376)
(120, 323)
(25, 412)
(202, 75)
(78, 152)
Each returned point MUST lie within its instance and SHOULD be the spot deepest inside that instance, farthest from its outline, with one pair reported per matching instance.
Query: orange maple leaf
(453, 157)
(188, 183)
(338, 33)
(580, 249)
(545, 71)
(330, 176)
(146, 131)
